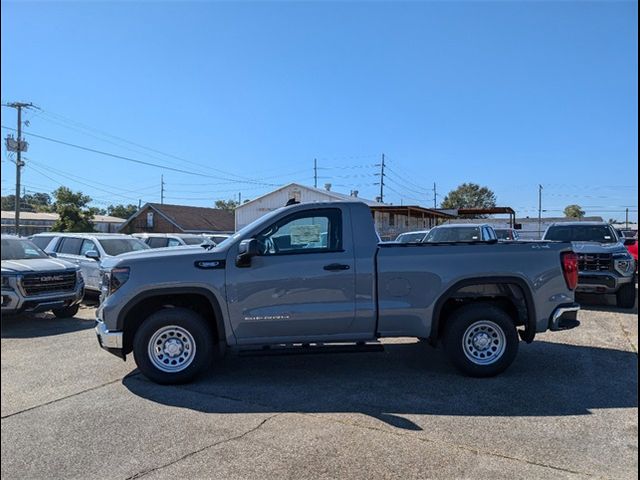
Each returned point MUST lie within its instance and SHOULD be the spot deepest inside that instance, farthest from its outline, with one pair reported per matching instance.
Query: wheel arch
(198, 299)
(512, 289)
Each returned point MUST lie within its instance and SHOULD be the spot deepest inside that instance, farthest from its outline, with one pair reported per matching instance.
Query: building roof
(338, 196)
(407, 209)
(54, 216)
(191, 219)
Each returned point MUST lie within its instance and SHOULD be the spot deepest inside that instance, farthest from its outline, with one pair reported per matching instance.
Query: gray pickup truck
(33, 281)
(312, 276)
(604, 264)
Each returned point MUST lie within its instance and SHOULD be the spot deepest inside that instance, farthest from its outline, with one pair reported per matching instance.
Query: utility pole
(626, 218)
(161, 189)
(139, 203)
(435, 196)
(540, 211)
(315, 173)
(239, 198)
(382, 180)
(18, 146)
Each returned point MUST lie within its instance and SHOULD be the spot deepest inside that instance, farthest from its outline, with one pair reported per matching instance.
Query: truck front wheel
(481, 340)
(626, 296)
(173, 345)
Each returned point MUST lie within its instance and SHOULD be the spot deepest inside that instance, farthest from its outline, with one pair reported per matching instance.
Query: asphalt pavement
(566, 408)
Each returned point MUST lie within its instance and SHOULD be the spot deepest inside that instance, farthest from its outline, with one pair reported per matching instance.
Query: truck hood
(36, 265)
(596, 247)
(153, 255)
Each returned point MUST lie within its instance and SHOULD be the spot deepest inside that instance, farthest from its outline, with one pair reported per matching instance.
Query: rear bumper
(565, 317)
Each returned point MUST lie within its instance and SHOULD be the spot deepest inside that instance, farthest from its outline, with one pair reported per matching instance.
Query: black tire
(626, 296)
(186, 320)
(66, 312)
(493, 321)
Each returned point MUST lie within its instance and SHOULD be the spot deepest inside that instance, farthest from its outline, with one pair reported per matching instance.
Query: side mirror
(248, 248)
(92, 254)
(53, 254)
(629, 241)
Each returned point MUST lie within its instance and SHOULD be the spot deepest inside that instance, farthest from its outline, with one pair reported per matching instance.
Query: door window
(305, 232)
(157, 242)
(87, 246)
(70, 245)
(173, 243)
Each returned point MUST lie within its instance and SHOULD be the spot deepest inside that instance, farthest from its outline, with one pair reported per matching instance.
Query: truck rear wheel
(626, 296)
(481, 340)
(173, 345)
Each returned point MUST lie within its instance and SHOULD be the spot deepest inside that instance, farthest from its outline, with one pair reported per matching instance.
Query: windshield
(243, 231)
(118, 246)
(581, 233)
(454, 234)
(193, 240)
(20, 249)
(410, 237)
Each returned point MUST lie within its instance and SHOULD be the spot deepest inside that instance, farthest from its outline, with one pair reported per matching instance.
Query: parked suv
(87, 250)
(32, 281)
(161, 240)
(604, 264)
(507, 234)
(412, 237)
(461, 232)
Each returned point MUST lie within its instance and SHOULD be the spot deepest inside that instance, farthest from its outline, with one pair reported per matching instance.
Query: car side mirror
(92, 254)
(629, 241)
(248, 248)
(53, 254)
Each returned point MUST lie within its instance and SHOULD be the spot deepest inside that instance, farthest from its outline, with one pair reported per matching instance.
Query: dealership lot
(566, 408)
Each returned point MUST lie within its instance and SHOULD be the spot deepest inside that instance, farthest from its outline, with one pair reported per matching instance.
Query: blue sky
(245, 95)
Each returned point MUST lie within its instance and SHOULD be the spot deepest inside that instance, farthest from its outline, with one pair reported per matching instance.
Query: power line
(133, 160)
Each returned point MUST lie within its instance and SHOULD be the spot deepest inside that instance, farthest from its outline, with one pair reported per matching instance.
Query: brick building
(163, 218)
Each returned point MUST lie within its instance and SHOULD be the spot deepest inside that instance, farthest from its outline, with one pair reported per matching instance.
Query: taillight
(570, 269)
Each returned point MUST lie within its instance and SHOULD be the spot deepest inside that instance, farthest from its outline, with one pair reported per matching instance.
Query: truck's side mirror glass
(248, 248)
(92, 254)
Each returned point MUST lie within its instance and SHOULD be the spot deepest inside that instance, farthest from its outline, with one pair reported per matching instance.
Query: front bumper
(601, 282)
(14, 303)
(110, 341)
(565, 317)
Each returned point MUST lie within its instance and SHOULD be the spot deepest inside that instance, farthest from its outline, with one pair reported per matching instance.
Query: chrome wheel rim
(484, 342)
(171, 349)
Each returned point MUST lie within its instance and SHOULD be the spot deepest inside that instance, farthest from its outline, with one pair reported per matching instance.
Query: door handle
(336, 266)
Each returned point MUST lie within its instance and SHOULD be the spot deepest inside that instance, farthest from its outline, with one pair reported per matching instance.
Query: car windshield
(581, 233)
(504, 234)
(410, 237)
(20, 249)
(454, 234)
(192, 240)
(118, 246)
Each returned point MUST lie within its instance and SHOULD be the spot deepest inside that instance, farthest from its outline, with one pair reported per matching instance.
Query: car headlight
(624, 264)
(112, 280)
(6, 283)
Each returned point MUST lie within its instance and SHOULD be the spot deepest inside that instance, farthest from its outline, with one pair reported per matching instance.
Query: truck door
(301, 284)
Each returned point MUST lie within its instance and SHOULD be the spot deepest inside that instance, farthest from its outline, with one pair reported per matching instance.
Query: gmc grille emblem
(52, 278)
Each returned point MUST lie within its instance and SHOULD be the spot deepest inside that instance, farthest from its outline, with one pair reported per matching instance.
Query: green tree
(226, 204)
(31, 202)
(573, 211)
(72, 207)
(469, 195)
(122, 211)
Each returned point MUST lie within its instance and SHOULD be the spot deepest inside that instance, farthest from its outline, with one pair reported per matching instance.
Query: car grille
(595, 262)
(41, 283)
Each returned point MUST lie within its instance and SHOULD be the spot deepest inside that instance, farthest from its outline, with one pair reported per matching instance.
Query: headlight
(624, 264)
(117, 277)
(6, 284)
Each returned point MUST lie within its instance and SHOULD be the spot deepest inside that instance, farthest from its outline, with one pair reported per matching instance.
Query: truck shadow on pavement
(41, 325)
(547, 379)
